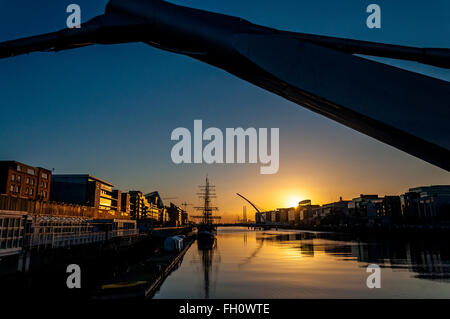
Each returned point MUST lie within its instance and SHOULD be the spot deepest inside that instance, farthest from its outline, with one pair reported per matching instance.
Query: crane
(167, 198)
(185, 205)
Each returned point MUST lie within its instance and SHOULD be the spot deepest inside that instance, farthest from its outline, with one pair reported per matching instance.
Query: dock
(162, 266)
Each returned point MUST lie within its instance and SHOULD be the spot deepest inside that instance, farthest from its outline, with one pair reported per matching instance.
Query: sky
(109, 110)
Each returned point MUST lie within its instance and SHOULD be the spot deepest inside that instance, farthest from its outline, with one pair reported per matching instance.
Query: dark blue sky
(109, 110)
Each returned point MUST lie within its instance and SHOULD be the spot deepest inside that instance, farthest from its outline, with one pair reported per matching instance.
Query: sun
(293, 201)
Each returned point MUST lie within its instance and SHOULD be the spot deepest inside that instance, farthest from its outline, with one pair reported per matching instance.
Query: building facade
(86, 190)
(306, 213)
(426, 202)
(25, 181)
(365, 206)
(175, 215)
(155, 199)
(286, 215)
(143, 211)
(125, 203)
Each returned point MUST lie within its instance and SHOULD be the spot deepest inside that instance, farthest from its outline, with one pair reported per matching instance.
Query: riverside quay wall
(37, 233)
(30, 227)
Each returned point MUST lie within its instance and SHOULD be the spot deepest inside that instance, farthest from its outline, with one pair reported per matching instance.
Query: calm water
(297, 264)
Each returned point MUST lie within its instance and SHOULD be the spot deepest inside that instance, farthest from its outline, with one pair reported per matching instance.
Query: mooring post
(23, 263)
(27, 260)
(20, 263)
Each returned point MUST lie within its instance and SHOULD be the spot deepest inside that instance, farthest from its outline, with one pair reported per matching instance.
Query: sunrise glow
(293, 201)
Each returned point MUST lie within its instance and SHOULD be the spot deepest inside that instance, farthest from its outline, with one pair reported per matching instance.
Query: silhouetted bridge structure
(254, 225)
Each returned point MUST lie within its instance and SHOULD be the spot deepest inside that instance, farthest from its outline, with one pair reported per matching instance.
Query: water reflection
(298, 264)
(428, 258)
(207, 257)
(253, 254)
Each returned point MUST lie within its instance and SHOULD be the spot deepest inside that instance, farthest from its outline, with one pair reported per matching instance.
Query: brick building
(24, 181)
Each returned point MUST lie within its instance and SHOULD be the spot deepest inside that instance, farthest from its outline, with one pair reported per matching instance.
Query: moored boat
(206, 239)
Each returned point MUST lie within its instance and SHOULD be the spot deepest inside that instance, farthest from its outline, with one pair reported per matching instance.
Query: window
(31, 191)
(17, 189)
(13, 177)
(19, 169)
(44, 175)
(26, 190)
(45, 194)
(30, 171)
(19, 178)
(42, 184)
(32, 181)
(12, 188)
(28, 180)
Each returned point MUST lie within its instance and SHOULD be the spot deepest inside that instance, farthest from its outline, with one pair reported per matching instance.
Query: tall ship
(205, 227)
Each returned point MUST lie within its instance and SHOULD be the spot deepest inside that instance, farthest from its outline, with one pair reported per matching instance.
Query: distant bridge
(254, 225)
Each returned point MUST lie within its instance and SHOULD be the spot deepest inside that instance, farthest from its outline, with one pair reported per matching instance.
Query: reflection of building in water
(307, 249)
(430, 263)
(286, 236)
(339, 251)
(429, 258)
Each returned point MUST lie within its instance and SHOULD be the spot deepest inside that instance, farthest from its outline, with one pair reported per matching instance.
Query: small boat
(123, 290)
(123, 285)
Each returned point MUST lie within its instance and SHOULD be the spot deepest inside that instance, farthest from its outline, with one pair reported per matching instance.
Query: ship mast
(206, 193)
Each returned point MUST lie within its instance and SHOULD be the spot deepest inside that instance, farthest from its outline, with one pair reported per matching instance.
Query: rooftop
(82, 176)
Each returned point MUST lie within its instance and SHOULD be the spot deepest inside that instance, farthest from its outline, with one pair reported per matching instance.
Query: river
(299, 264)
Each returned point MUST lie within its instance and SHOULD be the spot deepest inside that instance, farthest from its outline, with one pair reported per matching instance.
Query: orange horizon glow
(293, 200)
